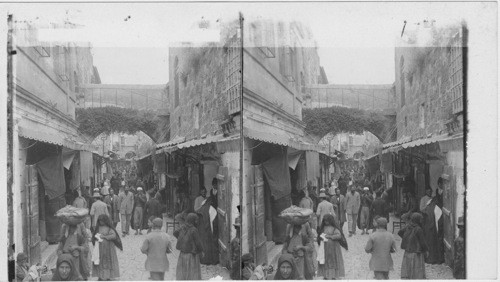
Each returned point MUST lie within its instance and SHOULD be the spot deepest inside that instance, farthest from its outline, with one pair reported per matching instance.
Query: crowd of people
(313, 249)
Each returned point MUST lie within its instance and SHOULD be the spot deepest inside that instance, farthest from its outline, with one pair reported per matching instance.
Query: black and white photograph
(249, 141)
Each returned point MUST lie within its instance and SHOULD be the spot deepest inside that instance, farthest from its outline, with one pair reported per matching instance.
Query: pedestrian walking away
(156, 246)
(98, 208)
(380, 245)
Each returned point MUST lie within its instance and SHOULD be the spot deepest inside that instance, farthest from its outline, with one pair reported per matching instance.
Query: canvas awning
(396, 146)
(283, 140)
(56, 138)
(191, 143)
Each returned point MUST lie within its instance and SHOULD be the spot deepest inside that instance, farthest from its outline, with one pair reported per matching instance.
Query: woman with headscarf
(65, 269)
(329, 238)
(287, 270)
(189, 245)
(413, 266)
(106, 264)
(74, 242)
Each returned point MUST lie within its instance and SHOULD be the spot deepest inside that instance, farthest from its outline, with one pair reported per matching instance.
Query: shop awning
(191, 143)
(56, 138)
(143, 157)
(175, 141)
(282, 140)
(396, 146)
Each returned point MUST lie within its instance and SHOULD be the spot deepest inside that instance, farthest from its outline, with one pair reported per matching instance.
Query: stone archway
(95, 121)
(322, 121)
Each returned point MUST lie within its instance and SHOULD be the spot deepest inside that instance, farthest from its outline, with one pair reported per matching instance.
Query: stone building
(50, 157)
(430, 91)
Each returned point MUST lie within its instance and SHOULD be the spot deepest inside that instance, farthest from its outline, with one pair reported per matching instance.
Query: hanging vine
(321, 121)
(94, 121)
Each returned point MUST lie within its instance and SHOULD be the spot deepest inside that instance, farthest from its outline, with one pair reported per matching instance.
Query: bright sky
(356, 40)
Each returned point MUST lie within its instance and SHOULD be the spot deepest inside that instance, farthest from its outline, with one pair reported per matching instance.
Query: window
(176, 82)
(77, 85)
(196, 116)
(402, 80)
(302, 83)
(421, 115)
(456, 76)
(179, 123)
(287, 63)
(406, 122)
(122, 140)
(351, 140)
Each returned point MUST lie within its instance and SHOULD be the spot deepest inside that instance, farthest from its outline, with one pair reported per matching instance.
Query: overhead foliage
(321, 121)
(94, 121)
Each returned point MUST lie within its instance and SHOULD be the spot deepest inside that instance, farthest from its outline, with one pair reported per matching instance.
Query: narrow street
(356, 260)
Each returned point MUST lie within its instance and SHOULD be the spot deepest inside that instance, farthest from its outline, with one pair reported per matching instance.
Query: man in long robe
(432, 229)
(208, 230)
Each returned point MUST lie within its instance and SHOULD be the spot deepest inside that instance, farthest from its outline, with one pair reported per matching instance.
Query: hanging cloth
(51, 172)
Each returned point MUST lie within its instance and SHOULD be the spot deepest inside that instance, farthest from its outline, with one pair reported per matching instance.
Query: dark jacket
(413, 239)
(380, 208)
(188, 238)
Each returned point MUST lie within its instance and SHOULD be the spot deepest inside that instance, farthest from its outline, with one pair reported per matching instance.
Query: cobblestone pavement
(132, 261)
(356, 260)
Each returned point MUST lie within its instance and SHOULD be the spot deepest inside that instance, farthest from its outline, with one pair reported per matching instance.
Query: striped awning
(283, 140)
(419, 142)
(56, 138)
(190, 143)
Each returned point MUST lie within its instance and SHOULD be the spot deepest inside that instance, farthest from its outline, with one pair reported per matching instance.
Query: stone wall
(202, 104)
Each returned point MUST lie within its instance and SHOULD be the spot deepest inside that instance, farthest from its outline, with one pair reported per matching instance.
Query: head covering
(139, 188)
(286, 258)
(105, 220)
(158, 223)
(366, 189)
(74, 274)
(416, 218)
(96, 195)
(382, 222)
(323, 195)
(246, 257)
(191, 219)
(21, 256)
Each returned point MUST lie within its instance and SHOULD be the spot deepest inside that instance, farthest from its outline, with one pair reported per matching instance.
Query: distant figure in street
(114, 212)
(352, 203)
(366, 205)
(138, 211)
(126, 204)
(324, 208)
(65, 269)
(98, 208)
(287, 270)
(411, 205)
(79, 201)
(379, 209)
(413, 266)
(153, 207)
(198, 202)
(307, 203)
(330, 234)
(156, 246)
(235, 252)
(213, 193)
(106, 239)
(338, 201)
(189, 245)
(381, 244)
